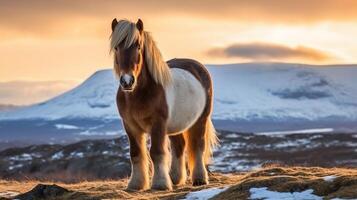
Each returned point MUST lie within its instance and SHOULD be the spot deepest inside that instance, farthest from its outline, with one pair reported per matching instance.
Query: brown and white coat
(169, 101)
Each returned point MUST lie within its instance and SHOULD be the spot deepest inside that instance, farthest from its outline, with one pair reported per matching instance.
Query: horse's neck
(144, 79)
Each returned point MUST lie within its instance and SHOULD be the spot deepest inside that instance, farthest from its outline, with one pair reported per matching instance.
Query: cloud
(28, 92)
(269, 51)
(90, 16)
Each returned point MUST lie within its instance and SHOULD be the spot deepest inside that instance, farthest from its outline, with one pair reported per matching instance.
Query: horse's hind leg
(178, 165)
(196, 147)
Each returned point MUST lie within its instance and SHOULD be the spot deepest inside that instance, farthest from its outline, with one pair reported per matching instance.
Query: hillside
(273, 182)
(249, 97)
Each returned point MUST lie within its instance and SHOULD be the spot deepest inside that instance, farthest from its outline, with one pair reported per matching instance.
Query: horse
(169, 101)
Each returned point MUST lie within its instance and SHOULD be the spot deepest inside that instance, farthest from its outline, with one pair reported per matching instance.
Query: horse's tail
(211, 141)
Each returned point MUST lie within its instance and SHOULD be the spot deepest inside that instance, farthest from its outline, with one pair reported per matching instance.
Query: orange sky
(68, 40)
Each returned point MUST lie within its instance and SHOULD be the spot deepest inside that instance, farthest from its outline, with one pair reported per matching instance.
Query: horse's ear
(114, 23)
(140, 25)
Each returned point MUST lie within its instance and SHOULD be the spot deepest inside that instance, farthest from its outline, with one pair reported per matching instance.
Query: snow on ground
(8, 194)
(329, 178)
(57, 156)
(264, 194)
(102, 133)
(77, 155)
(294, 143)
(304, 131)
(204, 194)
(66, 126)
(22, 157)
(15, 166)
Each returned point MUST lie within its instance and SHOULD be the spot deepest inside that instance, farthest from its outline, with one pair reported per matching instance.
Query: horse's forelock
(125, 33)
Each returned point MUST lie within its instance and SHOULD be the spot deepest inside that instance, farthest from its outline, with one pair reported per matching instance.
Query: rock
(43, 192)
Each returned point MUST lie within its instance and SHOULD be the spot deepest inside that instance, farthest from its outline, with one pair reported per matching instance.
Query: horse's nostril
(132, 80)
(127, 81)
(122, 80)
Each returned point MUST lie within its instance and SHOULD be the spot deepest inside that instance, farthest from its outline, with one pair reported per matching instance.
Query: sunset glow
(69, 40)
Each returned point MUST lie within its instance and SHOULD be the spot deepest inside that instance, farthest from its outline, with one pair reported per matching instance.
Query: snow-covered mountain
(242, 91)
(253, 91)
(283, 91)
(94, 98)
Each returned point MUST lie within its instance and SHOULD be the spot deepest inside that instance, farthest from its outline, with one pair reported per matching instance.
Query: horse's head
(127, 45)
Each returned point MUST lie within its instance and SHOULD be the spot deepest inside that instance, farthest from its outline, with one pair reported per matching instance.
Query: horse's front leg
(159, 155)
(139, 178)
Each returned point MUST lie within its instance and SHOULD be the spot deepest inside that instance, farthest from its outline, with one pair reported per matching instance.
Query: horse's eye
(116, 48)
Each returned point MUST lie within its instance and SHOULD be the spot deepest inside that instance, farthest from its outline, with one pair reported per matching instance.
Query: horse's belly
(186, 99)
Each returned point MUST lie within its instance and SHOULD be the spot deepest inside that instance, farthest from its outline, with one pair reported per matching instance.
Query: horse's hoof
(177, 180)
(136, 187)
(199, 182)
(161, 187)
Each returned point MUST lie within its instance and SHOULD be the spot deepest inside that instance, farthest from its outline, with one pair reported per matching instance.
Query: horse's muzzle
(127, 82)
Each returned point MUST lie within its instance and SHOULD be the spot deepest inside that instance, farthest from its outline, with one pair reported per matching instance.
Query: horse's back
(188, 95)
(195, 68)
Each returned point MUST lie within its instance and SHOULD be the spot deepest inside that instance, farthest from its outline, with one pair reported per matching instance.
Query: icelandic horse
(169, 101)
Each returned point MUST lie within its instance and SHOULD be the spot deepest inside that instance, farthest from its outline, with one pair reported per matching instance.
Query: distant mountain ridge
(8, 107)
(249, 91)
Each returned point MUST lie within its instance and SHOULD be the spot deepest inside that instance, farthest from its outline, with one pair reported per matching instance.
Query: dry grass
(294, 179)
(275, 178)
(116, 189)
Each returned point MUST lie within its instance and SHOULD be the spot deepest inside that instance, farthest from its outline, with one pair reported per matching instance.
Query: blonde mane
(127, 34)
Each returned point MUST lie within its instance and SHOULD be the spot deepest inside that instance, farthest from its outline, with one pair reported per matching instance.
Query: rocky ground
(246, 166)
(272, 182)
(239, 152)
(86, 160)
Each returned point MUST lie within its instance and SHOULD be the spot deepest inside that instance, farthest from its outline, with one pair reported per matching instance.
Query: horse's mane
(126, 33)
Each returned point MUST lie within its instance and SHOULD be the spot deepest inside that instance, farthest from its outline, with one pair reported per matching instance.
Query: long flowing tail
(211, 141)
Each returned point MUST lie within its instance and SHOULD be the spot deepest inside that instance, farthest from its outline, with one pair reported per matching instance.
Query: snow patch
(104, 133)
(330, 178)
(66, 126)
(304, 131)
(264, 194)
(57, 156)
(15, 166)
(204, 194)
(295, 143)
(232, 135)
(22, 157)
(8, 194)
(77, 154)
